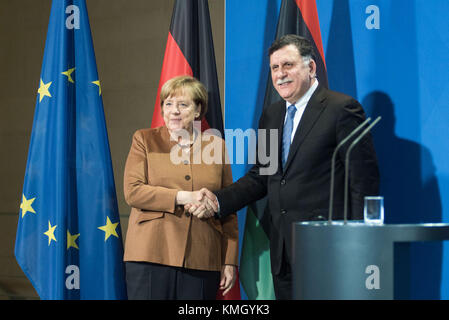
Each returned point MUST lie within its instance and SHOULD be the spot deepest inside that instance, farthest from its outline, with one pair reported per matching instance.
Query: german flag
(190, 51)
(296, 17)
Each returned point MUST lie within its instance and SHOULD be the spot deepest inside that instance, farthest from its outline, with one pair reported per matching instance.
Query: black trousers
(283, 282)
(151, 281)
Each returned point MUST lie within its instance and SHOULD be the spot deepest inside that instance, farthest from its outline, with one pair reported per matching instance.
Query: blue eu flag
(69, 242)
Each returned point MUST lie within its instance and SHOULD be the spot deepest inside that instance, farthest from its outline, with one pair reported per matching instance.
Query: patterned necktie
(287, 134)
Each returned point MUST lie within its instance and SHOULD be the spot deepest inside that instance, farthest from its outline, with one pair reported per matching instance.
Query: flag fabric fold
(295, 17)
(69, 241)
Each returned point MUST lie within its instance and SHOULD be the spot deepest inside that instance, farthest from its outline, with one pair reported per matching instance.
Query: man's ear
(312, 68)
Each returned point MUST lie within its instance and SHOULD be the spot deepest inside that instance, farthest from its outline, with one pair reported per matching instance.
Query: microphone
(347, 164)
(334, 157)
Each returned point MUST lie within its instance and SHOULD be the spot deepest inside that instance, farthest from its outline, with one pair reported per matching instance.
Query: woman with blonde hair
(169, 252)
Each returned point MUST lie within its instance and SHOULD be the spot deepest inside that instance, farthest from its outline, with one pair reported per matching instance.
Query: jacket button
(282, 182)
(283, 211)
(187, 177)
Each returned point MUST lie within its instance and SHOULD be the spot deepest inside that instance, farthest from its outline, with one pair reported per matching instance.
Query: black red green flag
(299, 17)
(296, 17)
(190, 51)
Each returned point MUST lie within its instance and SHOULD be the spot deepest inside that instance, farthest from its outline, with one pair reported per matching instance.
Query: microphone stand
(334, 157)
(347, 164)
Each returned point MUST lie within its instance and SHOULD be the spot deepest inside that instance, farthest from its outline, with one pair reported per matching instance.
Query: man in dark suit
(311, 121)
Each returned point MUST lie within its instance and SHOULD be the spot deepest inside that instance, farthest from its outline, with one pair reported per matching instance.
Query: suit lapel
(277, 122)
(313, 110)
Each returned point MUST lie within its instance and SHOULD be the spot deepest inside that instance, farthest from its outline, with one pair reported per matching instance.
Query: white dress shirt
(300, 107)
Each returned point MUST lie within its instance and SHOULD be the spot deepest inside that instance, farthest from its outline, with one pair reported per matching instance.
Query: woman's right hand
(186, 197)
(183, 197)
(197, 203)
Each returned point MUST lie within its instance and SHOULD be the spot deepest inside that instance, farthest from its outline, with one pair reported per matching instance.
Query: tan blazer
(159, 231)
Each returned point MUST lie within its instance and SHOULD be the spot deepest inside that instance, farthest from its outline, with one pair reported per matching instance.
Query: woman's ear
(198, 111)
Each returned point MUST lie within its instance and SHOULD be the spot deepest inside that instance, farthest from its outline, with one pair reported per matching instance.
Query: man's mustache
(282, 81)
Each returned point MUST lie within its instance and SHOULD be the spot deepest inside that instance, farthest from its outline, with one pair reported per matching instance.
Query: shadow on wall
(412, 195)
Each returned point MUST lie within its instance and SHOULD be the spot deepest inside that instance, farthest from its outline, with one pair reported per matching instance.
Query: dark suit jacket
(300, 191)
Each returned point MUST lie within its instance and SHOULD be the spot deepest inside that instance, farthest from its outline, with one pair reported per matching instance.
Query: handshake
(202, 204)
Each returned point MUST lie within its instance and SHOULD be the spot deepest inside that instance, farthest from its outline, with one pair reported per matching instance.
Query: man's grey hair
(304, 46)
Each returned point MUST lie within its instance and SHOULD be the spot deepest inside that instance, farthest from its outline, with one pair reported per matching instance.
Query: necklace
(188, 145)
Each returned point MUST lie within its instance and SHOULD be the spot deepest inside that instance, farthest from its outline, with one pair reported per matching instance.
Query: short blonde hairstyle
(186, 85)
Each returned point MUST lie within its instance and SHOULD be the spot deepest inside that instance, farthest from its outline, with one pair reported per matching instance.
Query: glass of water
(373, 212)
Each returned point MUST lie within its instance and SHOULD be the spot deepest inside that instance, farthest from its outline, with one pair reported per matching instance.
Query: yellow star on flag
(99, 86)
(26, 205)
(50, 233)
(43, 90)
(109, 229)
(71, 240)
(68, 73)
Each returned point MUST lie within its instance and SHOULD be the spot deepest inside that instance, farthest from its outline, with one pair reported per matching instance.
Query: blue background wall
(399, 71)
